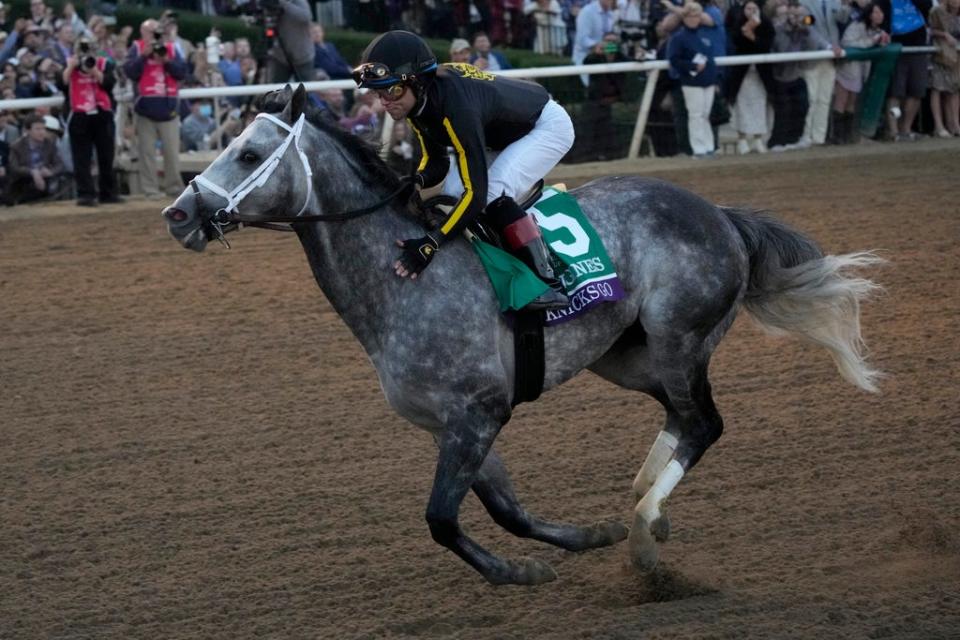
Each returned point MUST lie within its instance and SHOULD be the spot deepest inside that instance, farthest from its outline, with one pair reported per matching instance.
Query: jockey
(505, 134)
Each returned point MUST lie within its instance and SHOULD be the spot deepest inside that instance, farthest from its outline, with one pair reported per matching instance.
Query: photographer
(292, 51)
(89, 79)
(156, 69)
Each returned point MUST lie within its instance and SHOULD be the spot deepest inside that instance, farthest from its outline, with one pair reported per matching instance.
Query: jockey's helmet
(395, 58)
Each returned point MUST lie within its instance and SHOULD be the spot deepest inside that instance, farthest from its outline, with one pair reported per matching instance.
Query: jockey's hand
(417, 254)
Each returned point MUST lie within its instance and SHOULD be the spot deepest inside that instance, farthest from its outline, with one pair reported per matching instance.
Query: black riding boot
(522, 237)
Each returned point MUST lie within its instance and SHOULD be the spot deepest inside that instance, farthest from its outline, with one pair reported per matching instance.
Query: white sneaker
(759, 146)
(802, 143)
(743, 147)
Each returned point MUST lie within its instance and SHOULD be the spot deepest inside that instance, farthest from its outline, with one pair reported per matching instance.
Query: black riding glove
(417, 254)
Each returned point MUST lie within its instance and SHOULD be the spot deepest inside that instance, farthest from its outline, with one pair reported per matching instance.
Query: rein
(229, 217)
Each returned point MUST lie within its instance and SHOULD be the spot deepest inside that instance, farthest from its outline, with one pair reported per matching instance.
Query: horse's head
(264, 170)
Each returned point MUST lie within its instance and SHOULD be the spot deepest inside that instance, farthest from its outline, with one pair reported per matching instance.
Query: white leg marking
(649, 506)
(660, 454)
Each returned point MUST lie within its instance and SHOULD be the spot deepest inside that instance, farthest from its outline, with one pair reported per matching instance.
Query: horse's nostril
(176, 215)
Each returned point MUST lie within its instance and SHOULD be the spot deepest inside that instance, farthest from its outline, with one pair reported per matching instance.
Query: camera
(159, 46)
(87, 60)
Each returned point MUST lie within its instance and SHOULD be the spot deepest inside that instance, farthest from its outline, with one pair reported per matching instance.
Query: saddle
(528, 351)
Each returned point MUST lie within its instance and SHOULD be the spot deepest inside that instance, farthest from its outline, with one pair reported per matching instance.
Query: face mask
(206, 110)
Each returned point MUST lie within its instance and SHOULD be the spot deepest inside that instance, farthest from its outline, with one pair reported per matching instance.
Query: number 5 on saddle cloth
(577, 253)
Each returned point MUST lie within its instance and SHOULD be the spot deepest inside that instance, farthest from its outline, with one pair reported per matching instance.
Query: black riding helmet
(395, 57)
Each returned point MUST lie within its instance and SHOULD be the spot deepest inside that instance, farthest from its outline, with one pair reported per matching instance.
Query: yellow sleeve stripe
(424, 157)
(464, 177)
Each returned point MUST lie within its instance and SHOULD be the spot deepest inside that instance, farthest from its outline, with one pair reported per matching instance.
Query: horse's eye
(248, 156)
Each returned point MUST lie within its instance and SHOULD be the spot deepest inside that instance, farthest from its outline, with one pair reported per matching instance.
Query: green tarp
(873, 97)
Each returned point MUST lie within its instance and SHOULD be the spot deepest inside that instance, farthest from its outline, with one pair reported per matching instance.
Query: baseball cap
(51, 124)
(459, 44)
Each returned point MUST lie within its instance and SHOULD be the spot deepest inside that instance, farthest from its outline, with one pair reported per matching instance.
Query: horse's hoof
(660, 528)
(528, 571)
(604, 534)
(644, 551)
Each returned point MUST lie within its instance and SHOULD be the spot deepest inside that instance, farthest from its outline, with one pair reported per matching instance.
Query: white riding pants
(521, 164)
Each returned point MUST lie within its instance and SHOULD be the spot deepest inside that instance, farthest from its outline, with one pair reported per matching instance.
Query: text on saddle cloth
(586, 271)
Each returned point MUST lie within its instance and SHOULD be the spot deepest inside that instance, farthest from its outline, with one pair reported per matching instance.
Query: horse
(444, 353)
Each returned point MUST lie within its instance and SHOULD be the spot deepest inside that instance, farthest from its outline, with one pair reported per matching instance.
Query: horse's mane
(366, 154)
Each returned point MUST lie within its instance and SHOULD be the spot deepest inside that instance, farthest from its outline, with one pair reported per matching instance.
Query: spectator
(551, 31)
(636, 27)
(14, 40)
(35, 39)
(229, 65)
(89, 78)
(484, 57)
(71, 18)
(593, 21)
(690, 53)
(326, 56)
(789, 98)
(198, 127)
(292, 51)
(156, 69)
(102, 38)
(945, 76)
(36, 168)
(828, 17)
(48, 78)
(366, 116)
(170, 23)
(862, 33)
(460, 51)
(61, 48)
(248, 64)
(907, 24)
(745, 86)
(400, 154)
(9, 132)
(513, 12)
(603, 91)
(41, 15)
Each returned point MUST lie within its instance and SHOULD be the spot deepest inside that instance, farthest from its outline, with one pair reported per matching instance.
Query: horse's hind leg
(463, 448)
(495, 491)
(693, 424)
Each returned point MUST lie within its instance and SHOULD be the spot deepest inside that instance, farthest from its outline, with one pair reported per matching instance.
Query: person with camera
(292, 52)
(89, 78)
(156, 69)
(603, 91)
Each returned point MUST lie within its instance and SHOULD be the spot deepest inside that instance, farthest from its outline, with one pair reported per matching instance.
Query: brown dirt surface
(194, 446)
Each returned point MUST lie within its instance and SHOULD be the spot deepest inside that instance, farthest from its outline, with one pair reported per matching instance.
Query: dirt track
(194, 446)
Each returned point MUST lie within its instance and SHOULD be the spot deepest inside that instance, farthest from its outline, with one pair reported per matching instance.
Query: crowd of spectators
(122, 85)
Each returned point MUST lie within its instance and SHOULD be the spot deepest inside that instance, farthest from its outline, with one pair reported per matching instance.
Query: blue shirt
(905, 17)
(681, 49)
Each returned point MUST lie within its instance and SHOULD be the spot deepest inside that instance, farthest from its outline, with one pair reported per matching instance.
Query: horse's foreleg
(463, 448)
(495, 491)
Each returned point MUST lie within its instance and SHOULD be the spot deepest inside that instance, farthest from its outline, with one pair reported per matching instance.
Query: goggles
(374, 74)
(392, 93)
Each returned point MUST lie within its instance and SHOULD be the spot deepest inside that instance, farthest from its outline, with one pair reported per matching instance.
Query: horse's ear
(298, 102)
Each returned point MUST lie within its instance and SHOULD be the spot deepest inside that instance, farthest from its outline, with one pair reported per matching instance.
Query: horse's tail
(793, 287)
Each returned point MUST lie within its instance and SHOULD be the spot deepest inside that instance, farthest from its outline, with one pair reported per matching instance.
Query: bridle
(227, 217)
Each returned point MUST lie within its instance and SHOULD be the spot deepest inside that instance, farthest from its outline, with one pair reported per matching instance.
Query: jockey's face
(398, 108)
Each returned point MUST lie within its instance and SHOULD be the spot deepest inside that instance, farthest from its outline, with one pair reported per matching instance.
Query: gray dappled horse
(444, 355)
